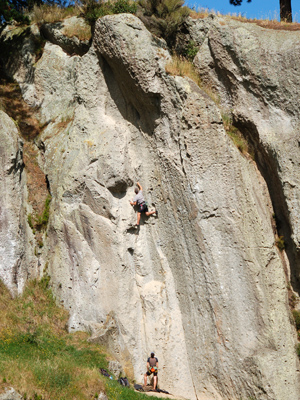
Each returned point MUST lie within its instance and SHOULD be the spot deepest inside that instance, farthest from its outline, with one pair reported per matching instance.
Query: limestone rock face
(16, 261)
(256, 73)
(19, 52)
(10, 394)
(203, 285)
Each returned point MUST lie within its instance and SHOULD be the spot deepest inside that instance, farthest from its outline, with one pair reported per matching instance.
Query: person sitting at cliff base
(152, 368)
(140, 202)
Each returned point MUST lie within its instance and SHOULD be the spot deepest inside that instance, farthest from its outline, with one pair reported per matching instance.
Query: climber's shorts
(149, 373)
(143, 208)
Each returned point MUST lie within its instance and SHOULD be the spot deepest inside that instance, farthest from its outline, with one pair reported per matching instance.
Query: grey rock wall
(256, 73)
(203, 285)
(17, 261)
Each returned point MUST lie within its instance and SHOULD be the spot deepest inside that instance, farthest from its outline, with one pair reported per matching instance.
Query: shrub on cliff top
(93, 9)
(164, 17)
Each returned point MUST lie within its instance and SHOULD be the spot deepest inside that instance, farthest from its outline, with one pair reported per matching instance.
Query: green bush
(280, 243)
(164, 17)
(298, 350)
(94, 9)
(191, 50)
(42, 220)
(29, 219)
(124, 6)
(296, 315)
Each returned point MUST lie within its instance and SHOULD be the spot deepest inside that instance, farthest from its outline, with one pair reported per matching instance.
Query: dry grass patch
(286, 26)
(200, 14)
(269, 23)
(36, 307)
(48, 13)
(81, 32)
(12, 103)
(236, 136)
(180, 66)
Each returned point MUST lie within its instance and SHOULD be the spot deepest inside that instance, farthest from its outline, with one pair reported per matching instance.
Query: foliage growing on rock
(190, 50)
(81, 32)
(93, 9)
(235, 134)
(280, 243)
(182, 67)
(164, 17)
(296, 315)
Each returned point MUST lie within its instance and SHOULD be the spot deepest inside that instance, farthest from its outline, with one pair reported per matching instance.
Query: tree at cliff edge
(13, 10)
(285, 8)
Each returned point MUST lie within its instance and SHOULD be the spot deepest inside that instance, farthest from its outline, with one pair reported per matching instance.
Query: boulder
(115, 367)
(65, 34)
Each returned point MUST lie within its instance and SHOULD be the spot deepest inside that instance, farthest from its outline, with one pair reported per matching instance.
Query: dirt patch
(12, 103)
(148, 390)
(162, 395)
(36, 180)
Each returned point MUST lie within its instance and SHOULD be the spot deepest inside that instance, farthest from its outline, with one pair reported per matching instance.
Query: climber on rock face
(152, 368)
(140, 201)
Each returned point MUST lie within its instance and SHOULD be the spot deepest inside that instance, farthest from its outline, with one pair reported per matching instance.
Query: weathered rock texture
(256, 73)
(16, 257)
(10, 394)
(204, 284)
(55, 33)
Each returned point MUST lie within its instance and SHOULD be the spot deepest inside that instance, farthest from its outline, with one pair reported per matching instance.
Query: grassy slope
(40, 359)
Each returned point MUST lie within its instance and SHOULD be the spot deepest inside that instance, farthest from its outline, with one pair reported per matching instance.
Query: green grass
(42, 220)
(37, 354)
(115, 391)
(235, 135)
(41, 360)
(280, 243)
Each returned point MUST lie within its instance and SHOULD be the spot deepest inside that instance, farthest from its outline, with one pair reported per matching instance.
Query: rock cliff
(203, 285)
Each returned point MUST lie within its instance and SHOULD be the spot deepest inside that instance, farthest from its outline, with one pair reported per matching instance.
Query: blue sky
(262, 9)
